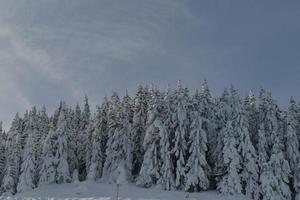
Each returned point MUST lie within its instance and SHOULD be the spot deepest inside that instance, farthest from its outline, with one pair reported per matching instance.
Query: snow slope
(102, 191)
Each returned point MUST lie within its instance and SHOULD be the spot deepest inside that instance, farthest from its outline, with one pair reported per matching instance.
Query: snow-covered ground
(101, 191)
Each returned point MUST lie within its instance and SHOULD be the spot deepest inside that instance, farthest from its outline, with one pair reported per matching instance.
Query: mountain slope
(103, 191)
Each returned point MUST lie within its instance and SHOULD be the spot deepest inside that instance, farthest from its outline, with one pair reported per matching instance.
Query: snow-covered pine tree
(43, 125)
(275, 176)
(62, 173)
(271, 134)
(197, 166)
(89, 143)
(181, 123)
(76, 125)
(252, 116)
(267, 182)
(229, 160)
(205, 102)
(83, 138)
(138, 129)
(268, 119)
(127, 117)
(151, 166)
(55, 116)
(249, 167)
(223, 114)
(127, 104)
(72, 142)
(292, 145)
(2, 152)
(207, 109)
(103, 127)
(47, 172)
(115, 152)
(40, 131)
(13, 148)
(298, 120)
(296, 184)
(25, 127)
(97, 154)
(230, 183)
(27, 175)
(167, 178)
(262, 147)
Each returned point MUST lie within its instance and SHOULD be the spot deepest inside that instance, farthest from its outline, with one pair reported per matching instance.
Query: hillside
(103, 191)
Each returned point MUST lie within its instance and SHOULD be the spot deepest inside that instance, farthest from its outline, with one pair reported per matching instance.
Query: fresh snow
(102, 191)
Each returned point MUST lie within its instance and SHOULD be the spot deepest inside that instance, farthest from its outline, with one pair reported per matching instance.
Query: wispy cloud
(59, 49)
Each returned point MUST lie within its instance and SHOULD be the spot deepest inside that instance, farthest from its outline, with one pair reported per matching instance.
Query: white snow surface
(104, 191)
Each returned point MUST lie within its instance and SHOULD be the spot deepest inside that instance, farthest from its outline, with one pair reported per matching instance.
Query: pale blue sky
(57, 49)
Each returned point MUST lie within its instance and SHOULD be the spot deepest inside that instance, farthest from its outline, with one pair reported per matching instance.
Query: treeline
(167, 138)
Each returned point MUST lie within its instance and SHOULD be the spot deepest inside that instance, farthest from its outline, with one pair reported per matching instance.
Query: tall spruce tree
(97, 154)
(275, 176)
(83, 139)
(138, 129)
(151, 166)
(292, 145)
(167, 178)
(127, 117)
(252, 116)
(27, 175)
(47, 172)
(223, 114)
(72, 142)
(249, 168)
(62, 173)
(230, 183)
(2, 152)
(181, 123)
(42, 126)
(197, 166)
(13, 149)
(116, 144)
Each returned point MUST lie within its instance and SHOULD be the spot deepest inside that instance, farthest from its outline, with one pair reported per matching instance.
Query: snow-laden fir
(169, 139)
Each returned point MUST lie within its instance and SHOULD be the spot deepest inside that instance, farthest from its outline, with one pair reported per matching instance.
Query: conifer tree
(197, 166)
(76, 126)
(127, 116)
(249, 167)
(230, 183)
(89, 142)
(138, 129)
(268, 119)
(83, 139)
(207, 109)
(27, 176)
(41, 130)
(47, 172)
(116, 144)
(252, 116)
(97, 155)
(62, 174)
(72, 142)
(2, 152)
(181, 124)
(274, 178)
(262, 146)
(151, 166)
(13, 149)
(292, 145)
(167, 178)
(223, 114)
